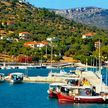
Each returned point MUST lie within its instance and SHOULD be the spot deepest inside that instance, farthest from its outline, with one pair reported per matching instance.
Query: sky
(67, 4)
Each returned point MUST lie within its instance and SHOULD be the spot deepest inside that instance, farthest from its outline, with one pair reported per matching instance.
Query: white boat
(2, 78)
(16, 77)
(57, 74)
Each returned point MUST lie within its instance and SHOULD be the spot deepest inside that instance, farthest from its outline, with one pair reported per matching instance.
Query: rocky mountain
(89, 15)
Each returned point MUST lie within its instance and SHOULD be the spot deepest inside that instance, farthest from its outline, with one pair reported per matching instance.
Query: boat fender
(87, 92)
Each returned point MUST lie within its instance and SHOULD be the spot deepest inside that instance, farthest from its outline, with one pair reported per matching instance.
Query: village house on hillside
(8, 23)
(88, 36)
(52, 39)
(22, 1)
(35, 44)
(24, 35)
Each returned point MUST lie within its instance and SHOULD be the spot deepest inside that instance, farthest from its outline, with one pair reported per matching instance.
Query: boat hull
(1, 81)
(89, 99)
(52, 94)
(16, 81)
(63, 98)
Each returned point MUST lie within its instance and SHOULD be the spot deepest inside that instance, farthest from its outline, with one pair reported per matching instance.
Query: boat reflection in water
(15, 77)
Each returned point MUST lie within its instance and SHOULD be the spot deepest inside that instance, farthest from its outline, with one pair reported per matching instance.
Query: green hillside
(42, 24)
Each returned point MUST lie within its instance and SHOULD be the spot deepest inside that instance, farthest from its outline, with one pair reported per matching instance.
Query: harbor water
(34, 95)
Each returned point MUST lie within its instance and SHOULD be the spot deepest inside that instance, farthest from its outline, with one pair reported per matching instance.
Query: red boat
(53, 89)
(89, 99)
(64, 98)
(81, 94)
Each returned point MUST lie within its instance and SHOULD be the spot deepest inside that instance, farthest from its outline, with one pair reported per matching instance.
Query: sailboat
(98, 73)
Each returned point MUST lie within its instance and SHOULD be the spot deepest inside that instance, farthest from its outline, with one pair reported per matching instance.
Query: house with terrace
(88, 35)
(35, 44)
(24, 35)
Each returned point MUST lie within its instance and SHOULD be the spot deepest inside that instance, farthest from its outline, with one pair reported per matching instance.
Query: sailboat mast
(86, 64)
(51, 53)
(99, 59)
(100, 67)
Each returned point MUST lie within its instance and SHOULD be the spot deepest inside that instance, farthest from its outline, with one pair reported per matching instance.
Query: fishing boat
(2, 78)
(16, 77)
(79, 94)
(64, 96)
(53, 89)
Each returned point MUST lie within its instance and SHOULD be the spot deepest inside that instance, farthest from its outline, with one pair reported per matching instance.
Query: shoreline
(12, 65)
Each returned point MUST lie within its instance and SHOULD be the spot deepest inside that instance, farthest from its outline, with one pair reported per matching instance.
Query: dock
(43, 79)
(95, 81)
(89, 75)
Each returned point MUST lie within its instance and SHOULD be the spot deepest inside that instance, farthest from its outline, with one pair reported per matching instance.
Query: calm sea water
(34, 95)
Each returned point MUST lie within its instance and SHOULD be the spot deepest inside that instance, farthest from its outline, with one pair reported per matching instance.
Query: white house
(35, 44)
(52, 39)
(87, 36)
(24, 35)
(22, 1)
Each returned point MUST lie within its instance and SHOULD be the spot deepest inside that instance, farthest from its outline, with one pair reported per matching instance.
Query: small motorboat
(2, 78)
(54, 89)
(16, 77)
(79, 94)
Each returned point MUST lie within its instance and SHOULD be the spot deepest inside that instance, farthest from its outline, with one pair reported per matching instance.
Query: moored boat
(64, 98)
(16, 77)
(2, 78)
(53, 89)
(79, 94)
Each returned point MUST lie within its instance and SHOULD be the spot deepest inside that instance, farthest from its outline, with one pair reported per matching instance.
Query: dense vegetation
(41, 24)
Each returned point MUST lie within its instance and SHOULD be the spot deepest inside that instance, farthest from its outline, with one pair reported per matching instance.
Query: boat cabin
(55, 86)
(16, 77)
(73, 81)
(78, 90)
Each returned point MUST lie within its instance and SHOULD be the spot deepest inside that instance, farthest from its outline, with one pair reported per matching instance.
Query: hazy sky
(66, 4)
